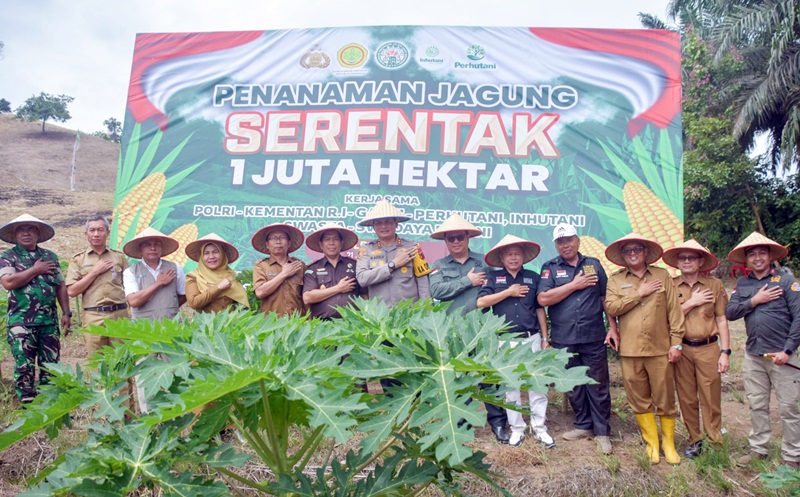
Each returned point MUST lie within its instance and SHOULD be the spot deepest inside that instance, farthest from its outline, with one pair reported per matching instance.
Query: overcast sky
(83, 48)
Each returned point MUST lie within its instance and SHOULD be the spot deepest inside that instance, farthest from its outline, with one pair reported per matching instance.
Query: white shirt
(132, 286)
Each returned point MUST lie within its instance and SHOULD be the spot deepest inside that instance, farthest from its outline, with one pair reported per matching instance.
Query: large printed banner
(516, 129)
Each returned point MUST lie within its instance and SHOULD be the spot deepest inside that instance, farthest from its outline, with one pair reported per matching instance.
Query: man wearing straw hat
(511, 293)
(330, 282)
(96, 275)
(573, 288)
(33, 279)
(278, 279)
(457, 277)
(769, 302)
(154, 288)
(384, 266)
(645, 302)
(697, 374)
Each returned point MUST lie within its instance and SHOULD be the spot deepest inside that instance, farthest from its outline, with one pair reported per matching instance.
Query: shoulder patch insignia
(795, 287)
(362, 251)
(546, 273)
(308, 271)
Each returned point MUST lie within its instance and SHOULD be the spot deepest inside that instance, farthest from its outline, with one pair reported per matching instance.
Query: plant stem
(419, 489)
(242, 479)
(280, 460)
(383, 448)
(305, 452)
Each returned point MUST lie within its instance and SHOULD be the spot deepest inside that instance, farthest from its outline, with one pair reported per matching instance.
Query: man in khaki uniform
(278, 280)
(95, 274)
(643, 299)
(697, 374)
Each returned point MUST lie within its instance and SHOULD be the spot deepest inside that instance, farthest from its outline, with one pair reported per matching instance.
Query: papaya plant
(292, 388)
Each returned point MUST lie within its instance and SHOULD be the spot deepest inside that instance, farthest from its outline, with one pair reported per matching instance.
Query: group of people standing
(670, 332)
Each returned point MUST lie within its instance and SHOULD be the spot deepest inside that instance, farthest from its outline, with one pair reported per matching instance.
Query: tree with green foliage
(293, 389)
(5, 106)
(766, 34)
(113, 129)
(45, 106)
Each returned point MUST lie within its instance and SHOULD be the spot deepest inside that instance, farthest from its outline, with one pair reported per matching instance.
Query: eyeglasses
(632, 250)
(683, 258)
(278, 238)
(455, 238)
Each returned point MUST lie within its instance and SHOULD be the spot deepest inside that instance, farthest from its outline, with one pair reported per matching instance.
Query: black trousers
(591, 403)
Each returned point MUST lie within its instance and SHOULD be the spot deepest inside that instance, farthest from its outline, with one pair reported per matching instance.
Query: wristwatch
(678, 347)
(725, 351)
(391, 265)
(68, 313)
(788, 352)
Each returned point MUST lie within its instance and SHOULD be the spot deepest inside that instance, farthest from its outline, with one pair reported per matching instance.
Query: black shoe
(501, 434)
(693, 450)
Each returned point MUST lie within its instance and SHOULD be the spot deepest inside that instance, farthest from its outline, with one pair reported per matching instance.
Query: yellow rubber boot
(668, 440)
(647, 423)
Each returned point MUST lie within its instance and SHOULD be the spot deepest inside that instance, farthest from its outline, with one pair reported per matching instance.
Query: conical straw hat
(194, 249)
(614, 251)
(455, 223)
(168, 245)
(296, 237)
(776, 250)
(46, 231)
(383, 210)
(529, 250)
(349, 238)
(671, 255)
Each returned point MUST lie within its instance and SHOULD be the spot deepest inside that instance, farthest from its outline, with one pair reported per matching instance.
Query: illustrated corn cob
(143, 199)
(593, 247)
(650, 217)
(185, 235)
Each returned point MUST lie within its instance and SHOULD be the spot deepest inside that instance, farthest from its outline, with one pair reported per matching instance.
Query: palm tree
(766, 34)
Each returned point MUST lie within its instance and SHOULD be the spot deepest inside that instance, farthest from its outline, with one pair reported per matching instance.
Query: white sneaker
(516, 438)
(545, 438)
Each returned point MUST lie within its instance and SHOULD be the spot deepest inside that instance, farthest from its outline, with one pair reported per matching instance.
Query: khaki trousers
(649, 384)
(760, 376)
(699, 388)
(97, 342)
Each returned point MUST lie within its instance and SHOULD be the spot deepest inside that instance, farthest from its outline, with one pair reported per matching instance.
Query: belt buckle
(107, 308)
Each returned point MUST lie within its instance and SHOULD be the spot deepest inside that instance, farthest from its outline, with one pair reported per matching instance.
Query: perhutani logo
(392, 55)
(315, 59)
(475, 52)
(473, 65)
(352, 56)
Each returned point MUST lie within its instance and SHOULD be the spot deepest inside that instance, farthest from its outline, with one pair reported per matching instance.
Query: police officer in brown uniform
(278, 279)
(643, 299)
(95, 274)
(697, 374)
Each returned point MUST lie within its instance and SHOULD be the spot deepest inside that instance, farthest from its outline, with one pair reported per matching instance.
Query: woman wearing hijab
(213, 287)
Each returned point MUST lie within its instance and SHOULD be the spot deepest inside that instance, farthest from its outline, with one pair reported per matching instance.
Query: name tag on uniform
(626, 286)
(271, 275)
(527, 281)
(500, 279)
(322, 272)
(561, 273)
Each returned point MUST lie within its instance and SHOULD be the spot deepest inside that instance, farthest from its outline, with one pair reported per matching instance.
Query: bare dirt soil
(35, 181)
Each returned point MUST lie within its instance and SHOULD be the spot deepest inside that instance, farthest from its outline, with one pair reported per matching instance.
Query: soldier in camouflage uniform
(34, 282)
